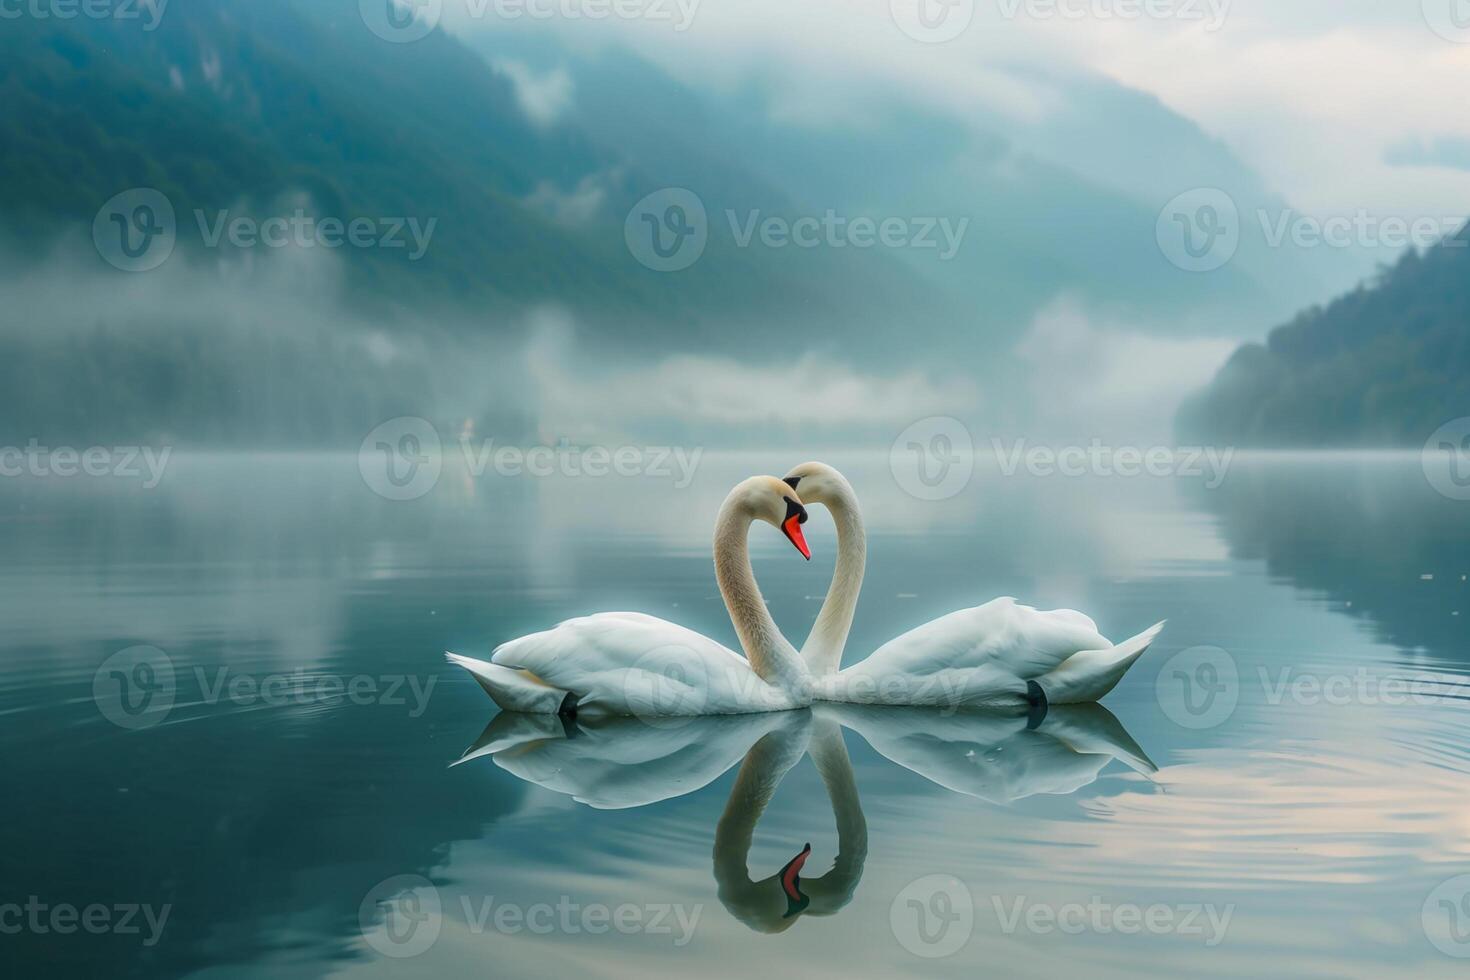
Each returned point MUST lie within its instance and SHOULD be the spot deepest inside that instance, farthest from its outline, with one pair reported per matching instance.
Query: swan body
(624, 663)
(990, 655)
(627, 663)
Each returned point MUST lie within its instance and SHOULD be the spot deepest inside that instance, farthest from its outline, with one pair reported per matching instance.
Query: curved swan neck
(765, 765)
(772, 658)
(829, 752)
(823, 648)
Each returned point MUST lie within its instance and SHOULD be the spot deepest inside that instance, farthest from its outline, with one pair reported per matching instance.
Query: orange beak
(790, 876)
(792, 527)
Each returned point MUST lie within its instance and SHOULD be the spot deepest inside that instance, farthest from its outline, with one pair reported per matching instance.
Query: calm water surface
(273, 771)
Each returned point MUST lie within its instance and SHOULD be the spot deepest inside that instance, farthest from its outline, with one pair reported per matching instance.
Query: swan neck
(829, 752)
(823, 648)
(772, 658)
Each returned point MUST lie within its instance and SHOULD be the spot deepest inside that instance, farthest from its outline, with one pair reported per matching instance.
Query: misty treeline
(1384, 365)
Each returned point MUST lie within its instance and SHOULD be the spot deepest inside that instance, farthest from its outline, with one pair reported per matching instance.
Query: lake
(230, 734)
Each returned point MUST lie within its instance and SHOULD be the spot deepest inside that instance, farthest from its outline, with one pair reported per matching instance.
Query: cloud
(575, 207)
(1446, 151)
(1090, 380)
(1311, 94)
(1313, 103)
(761, 400)
(543, 98)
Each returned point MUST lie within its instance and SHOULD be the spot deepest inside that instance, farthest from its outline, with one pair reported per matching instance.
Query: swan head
(765, 498)
(818, 483)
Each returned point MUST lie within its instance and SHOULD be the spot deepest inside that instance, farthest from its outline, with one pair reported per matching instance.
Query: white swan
(994, 654)
(624, 663)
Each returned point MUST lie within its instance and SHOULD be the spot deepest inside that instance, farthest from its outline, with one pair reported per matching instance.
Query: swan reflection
(774, 903)
(618, 763)
(1000, 757)
(631, 762)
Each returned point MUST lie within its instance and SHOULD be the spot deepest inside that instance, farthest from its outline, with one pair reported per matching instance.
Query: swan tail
(1090, 674)
(517, 690)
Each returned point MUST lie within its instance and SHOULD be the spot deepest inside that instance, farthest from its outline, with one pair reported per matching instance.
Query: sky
(1318, 96)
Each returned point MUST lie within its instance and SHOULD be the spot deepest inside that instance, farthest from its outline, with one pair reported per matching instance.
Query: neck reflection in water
(623, 763)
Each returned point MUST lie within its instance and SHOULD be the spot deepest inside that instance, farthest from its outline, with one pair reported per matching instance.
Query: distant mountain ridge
(1384, 365)
(259, 107)
(248, 105)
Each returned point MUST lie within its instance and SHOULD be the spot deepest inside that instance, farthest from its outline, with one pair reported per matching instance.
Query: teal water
(1307, 814)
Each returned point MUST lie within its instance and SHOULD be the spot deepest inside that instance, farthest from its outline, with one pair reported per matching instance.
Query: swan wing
(1020, 640)
(633, 664)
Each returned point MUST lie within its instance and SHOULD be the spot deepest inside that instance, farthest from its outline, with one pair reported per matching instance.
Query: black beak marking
(792, 481)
